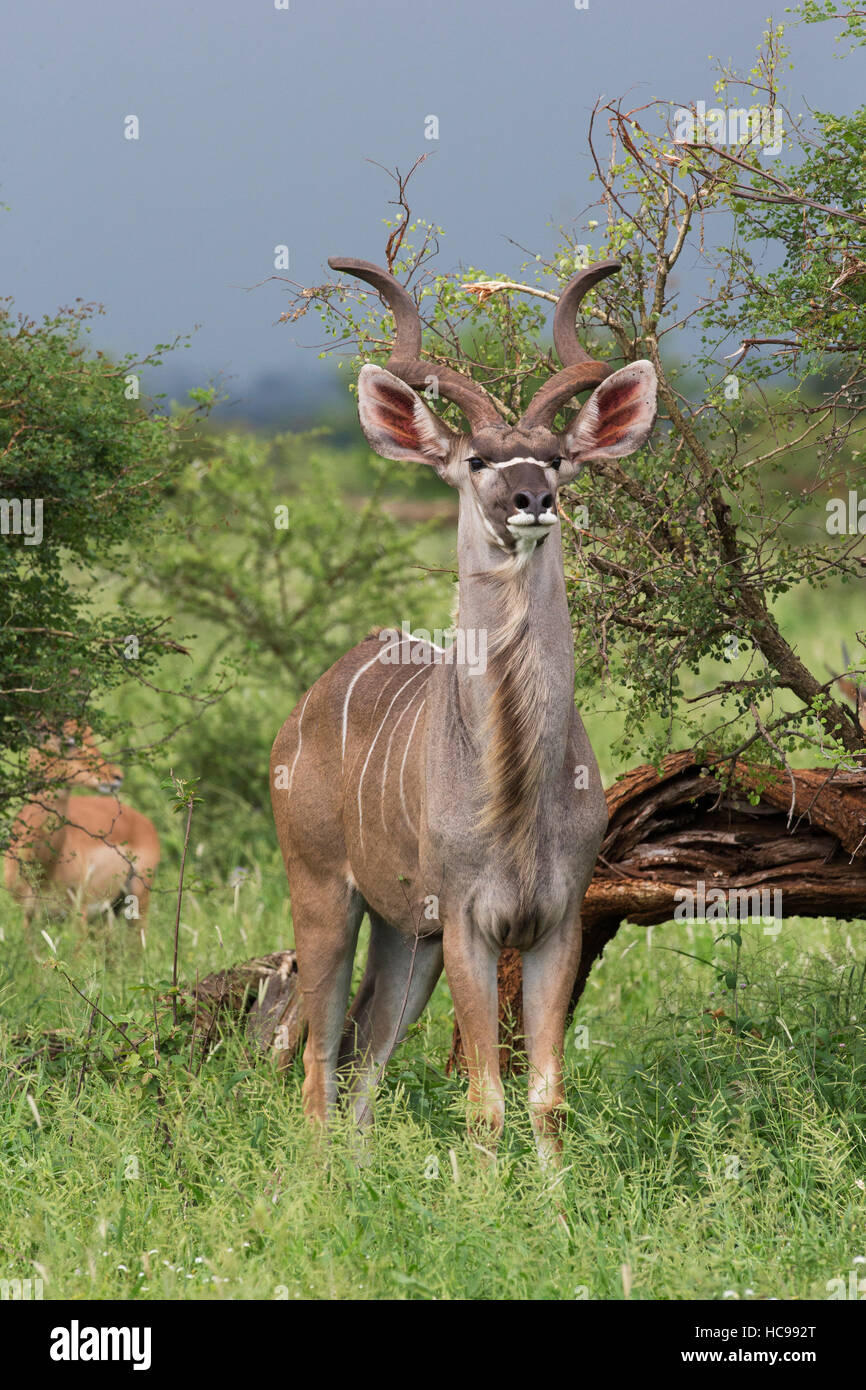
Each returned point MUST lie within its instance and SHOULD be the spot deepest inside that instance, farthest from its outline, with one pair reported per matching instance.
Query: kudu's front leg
(549, 973)
(326, 915)
(470, 968)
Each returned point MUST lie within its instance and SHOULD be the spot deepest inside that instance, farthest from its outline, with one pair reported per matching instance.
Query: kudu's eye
(476, 464)
(555, 463)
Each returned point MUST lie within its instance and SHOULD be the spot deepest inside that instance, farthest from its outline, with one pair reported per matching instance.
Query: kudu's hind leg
(470, 966)
(549, 972)
(392, 996)
(326, 915)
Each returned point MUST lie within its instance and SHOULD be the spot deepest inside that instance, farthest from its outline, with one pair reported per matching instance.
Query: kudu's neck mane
(520, 708)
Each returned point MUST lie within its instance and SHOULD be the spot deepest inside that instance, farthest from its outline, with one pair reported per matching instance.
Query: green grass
(701, 1160)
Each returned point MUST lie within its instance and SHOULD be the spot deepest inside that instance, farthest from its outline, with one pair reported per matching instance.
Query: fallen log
(799, 838)
(258, 997)
(262, 994)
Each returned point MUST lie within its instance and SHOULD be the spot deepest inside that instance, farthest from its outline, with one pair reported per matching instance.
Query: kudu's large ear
(396, 422)
(615, 421)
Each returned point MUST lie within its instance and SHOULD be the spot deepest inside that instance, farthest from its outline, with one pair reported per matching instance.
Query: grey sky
(256, 124)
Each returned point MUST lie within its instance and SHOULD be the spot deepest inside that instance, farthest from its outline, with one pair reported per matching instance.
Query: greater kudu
(462, 809)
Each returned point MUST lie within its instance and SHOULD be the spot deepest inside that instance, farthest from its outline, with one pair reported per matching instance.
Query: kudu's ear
(396, 422)
(615, 421)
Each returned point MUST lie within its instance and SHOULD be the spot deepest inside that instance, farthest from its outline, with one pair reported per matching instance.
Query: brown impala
(89, 850)
(457, 803)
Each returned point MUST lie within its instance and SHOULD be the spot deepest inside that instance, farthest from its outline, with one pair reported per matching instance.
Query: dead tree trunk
(740, 828)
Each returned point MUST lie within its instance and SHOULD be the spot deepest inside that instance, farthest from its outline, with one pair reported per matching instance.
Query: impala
(87, 850)
(461, 809)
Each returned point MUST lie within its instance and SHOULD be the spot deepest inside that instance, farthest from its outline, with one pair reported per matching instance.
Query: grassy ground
(705, 1156)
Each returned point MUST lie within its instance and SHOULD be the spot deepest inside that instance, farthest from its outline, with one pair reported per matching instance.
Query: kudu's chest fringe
(512, 765)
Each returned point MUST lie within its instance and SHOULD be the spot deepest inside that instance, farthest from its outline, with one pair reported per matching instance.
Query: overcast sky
(256, 125)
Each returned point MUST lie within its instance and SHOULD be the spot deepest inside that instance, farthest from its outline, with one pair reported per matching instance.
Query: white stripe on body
(300, 738)
(396, 697)
(403, 768)
(357, 676)
(388, 753)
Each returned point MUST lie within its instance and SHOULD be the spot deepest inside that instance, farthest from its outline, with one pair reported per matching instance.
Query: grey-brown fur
(462, 810)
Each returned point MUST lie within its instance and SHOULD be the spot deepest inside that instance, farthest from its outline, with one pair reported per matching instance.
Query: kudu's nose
(533, 502)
